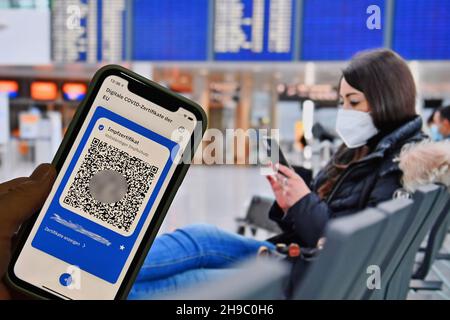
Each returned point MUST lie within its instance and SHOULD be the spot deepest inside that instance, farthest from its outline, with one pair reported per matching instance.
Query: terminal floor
(219, 194)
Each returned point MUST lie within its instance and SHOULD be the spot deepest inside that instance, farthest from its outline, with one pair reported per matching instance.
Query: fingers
(274, 183)
(43, 171)
(282, 178)
(24, 198)
(287, 171)
(4, 292)
(4, 187)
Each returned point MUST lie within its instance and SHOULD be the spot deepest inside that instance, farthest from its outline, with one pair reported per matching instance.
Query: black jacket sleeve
(309, 216)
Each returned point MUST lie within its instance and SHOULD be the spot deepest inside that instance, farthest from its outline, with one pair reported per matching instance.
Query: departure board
(422, 31)
(254, 30)
(170, 30)
(88, 30)
(337, 29)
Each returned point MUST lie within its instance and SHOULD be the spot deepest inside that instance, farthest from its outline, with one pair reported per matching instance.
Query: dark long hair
(388, 85)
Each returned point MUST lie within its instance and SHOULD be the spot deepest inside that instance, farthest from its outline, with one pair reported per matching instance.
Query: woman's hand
(19, 199)
(288, 187)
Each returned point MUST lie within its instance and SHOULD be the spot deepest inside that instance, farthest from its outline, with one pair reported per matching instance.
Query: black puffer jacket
(365, 183)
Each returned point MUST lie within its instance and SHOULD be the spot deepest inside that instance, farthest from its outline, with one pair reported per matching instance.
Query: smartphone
(274, 153)
(119, 166)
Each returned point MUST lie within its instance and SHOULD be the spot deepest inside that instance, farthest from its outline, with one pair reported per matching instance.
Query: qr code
(110, 185)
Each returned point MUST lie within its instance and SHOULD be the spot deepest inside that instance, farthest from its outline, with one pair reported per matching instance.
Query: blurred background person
(433, 123)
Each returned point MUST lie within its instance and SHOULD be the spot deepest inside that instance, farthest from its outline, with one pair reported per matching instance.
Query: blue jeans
(189, 256)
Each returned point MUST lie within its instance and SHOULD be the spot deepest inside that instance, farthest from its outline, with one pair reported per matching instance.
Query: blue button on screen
(65, 279)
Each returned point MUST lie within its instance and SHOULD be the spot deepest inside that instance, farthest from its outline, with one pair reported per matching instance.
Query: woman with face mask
(376, 117)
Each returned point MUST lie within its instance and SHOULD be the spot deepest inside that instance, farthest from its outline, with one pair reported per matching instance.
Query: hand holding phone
(288, 187)
(19, 199)
(119, 167)
(274, 155)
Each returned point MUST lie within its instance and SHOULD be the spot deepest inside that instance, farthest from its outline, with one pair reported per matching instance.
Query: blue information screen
(421, 29)
(82, 227)
(170, 30)
(254, 30)
(337, 29)
(85, 31)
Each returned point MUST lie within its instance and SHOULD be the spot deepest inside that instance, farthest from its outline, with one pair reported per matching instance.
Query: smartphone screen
(105, 195)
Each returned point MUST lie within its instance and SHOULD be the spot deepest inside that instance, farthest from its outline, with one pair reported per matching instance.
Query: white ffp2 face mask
(355, 127)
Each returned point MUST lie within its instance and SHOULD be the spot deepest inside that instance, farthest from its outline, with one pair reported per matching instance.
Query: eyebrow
(349, 94)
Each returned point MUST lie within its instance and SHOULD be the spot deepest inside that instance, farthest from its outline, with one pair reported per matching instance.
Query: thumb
(25, 198)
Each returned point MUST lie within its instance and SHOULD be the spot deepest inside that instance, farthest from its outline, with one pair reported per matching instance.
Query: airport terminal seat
(398, 213)
(350, 241)
(423, 200)
(399, 283)
(402, 220)
(257, 217)
(434, 243)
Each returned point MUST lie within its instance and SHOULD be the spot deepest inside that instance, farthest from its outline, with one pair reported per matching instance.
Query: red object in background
(74, 91)
(44, 90)
(10, 87)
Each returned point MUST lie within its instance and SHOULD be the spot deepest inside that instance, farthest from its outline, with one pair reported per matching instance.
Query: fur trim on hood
(424, 163)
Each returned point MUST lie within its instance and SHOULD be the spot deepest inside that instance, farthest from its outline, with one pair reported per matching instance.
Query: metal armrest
(425, 285)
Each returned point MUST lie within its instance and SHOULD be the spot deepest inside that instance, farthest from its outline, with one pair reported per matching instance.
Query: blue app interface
(106, 195)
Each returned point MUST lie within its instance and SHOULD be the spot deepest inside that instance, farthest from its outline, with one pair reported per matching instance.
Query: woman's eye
(354, 103)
